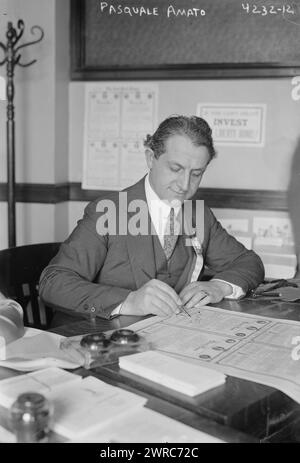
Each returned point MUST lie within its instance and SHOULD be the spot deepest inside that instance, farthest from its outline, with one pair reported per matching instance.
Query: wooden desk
(260, 412)
(172, 410)
(156, 401)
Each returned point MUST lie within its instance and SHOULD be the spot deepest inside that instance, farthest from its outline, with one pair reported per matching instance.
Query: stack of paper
(90, 405)
(81, 406)
(172, 373)
(6, 437)
(144, 425)
(42, 381)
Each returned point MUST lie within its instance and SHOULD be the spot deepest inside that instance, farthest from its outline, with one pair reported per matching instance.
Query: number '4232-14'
(267, 9)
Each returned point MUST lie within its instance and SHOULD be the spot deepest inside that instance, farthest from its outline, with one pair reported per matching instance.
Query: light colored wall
(35, 223)
(251, 168)
(75, 209)
(34, 93)
(62, 76)
(61, 221)
(41, 115)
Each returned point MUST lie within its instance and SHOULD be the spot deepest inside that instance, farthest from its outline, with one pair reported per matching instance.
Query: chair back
(20, 270)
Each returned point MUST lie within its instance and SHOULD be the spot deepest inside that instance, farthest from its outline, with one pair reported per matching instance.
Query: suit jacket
(93, 273)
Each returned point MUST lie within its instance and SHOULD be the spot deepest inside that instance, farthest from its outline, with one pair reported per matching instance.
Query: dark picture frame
(86, 61)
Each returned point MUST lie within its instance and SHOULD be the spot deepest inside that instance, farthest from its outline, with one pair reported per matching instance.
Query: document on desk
(41, 381)
(89, 406)
(261, 349)
(81, 406)
(145, 425)
(173, 373)
(35, 350)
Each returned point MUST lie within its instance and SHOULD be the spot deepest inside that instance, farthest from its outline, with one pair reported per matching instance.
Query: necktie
(169, 237)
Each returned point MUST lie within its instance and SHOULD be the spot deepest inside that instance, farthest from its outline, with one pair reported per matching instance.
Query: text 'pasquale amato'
(170, 11)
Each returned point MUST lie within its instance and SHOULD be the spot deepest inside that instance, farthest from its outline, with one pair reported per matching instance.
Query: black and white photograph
(149, 225)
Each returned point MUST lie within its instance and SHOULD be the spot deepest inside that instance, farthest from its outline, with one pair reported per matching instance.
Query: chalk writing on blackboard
(165, 39)
(268, 9)
(170, 11)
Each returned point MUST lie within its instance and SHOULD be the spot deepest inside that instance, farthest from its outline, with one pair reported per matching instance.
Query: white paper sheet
(132, 163)
(235, 124)
(36, 349)
(6, 436)
(42, 381)
(117, 119)
(246, 346)
(138, 109)
(80, 406)
(90, 405)
(279, 228)
(235, 225)
(144, 425)
(173, 373)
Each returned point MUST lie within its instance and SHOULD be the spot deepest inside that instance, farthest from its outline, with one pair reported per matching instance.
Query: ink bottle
(30, 417)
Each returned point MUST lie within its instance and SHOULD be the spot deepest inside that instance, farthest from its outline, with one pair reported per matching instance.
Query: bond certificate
(261, 349)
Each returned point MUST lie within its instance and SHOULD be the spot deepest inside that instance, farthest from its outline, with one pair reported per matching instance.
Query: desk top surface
(266, 307)
(262, 412)
(239, 411)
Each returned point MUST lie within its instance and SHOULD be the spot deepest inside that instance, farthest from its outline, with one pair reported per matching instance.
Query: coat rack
(12, 58)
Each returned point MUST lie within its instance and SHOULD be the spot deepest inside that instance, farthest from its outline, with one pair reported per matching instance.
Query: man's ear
(149, 157)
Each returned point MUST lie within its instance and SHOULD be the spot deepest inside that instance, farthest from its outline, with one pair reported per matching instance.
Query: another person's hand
(155, 297)
(200, 293)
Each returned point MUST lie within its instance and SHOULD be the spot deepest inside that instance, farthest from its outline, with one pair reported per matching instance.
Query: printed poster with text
(235, 124)
(117, 119)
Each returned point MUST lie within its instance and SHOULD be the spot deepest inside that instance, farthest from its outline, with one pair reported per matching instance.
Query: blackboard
(163, 39)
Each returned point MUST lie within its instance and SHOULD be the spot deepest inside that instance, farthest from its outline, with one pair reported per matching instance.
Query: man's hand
(200, 293)
(155, 297)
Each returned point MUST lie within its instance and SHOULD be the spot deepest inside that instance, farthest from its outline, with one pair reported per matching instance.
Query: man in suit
(120, 261)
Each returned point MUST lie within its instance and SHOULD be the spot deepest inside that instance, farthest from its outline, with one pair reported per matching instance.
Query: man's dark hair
(195, 128)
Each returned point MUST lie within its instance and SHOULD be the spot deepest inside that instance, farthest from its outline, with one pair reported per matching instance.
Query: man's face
(177, 173)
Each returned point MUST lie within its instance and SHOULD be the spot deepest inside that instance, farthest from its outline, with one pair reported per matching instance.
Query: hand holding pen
(200, 293)
(182, 309)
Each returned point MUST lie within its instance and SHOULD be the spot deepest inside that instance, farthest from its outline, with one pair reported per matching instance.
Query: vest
(170, 272)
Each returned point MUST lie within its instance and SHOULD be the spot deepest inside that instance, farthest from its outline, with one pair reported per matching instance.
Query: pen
(266, 294)
(184, 310)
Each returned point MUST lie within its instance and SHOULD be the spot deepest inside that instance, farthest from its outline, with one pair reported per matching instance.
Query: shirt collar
(155, 203)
